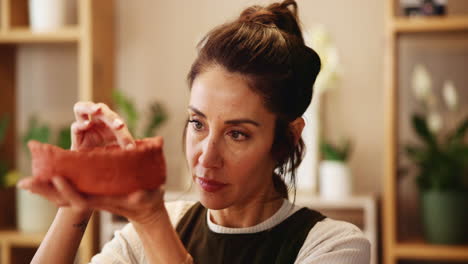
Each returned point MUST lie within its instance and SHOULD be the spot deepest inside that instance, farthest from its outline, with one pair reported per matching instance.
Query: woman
(250, 85)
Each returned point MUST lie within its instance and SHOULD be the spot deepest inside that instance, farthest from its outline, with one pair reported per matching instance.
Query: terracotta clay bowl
(108, 170)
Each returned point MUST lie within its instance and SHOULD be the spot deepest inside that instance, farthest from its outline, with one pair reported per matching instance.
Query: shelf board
(24, 35)
(352, 202)
(424, 251)
(429, 24)
(17, 238)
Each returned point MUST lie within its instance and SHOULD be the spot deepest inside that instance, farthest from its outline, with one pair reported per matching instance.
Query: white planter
(33, 213)
(50, 15)
(307, 172)
(335, 180)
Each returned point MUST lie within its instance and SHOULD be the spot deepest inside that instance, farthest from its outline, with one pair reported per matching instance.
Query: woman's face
(228, 141)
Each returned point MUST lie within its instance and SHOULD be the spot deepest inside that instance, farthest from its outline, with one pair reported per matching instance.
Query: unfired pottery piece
(107, 170)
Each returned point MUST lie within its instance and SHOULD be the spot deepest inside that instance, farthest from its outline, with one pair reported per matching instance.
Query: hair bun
(306, 67)
(257, 14)
(275, 15)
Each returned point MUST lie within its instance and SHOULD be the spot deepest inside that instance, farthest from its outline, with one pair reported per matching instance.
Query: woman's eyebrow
(196, 111)
(240, 121)
(231, 122)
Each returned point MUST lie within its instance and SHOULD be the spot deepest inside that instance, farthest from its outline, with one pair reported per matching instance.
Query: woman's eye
(197, 125)
(238, 136)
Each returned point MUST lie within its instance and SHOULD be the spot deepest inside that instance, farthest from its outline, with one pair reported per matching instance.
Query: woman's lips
(210, 185)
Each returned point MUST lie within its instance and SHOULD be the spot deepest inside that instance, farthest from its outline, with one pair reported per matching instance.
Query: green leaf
(330, 152)
(127, 108)
(3, 127)
(422, 130)
(64, 138)
(158, 115)
(441, 166)
(459, 133)
(11, 178)
(461, 130)
(347, 150)
(440, 171)
(417, 154)
(36, 131)
(336, 153)
(423, 181)
(3, 172)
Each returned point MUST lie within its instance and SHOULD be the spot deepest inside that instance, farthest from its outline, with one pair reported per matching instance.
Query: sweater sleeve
(126, 246)
(334, 242)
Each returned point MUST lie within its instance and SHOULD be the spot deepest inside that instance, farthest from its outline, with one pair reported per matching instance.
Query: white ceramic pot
(334, 180)
(49, 15)
(33, 213)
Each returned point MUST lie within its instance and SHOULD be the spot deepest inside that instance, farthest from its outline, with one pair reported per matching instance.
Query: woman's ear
(296, 127)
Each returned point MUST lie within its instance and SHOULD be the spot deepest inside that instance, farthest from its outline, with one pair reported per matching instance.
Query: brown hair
(265, 45)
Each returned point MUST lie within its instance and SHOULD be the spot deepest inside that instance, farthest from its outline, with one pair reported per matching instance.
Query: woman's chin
(211, 201)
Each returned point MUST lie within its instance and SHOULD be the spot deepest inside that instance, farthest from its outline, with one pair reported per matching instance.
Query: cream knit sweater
(328, 242)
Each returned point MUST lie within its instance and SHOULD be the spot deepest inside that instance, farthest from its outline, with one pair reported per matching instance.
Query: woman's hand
(97, 125)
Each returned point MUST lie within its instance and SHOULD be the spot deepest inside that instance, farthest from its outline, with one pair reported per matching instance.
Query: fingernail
(130, 146)
(87, 122)
(117, 123)
(21, 184)
(96, 109)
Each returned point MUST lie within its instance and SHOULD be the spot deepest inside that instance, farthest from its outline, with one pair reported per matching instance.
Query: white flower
(318, 38)
(434, 121)
(333, 59)
(450, 95)
(320, 41)
(421, 82)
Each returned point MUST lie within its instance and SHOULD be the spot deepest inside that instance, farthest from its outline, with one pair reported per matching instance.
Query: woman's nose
(210, 156)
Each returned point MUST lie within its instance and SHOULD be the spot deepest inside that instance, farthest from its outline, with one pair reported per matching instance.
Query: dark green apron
(279, 245)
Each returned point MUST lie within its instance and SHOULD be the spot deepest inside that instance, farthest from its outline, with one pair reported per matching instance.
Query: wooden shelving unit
(395, 248)
(420, 250)
(25, 36)
(11, 239)
(428, 24)
(93, 37)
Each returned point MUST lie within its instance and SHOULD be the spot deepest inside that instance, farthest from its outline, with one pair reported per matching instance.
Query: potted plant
(335, 175)
(441, 160)
(320, 39)
(34, 213)
(49, 15)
